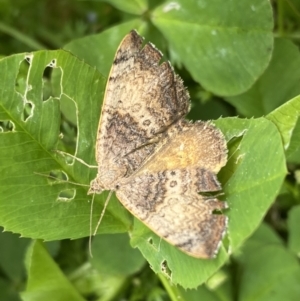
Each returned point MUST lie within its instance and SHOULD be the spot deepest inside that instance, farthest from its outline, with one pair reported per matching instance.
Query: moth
(159, 165)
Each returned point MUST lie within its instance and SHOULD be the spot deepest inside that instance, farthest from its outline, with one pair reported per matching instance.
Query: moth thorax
(108, 178)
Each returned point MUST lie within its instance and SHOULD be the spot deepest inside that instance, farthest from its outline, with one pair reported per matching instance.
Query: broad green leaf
(286, 119)
(45, 279)
(270, 272)
(257, 169)
(113, 255)
(223, 50)
(266, 235)
(293, 151)
(279, 83)
(99, 50)
(136, 7)
(12, 254)
(31, 204)
(168, 260)
(293, 227)
(251, 180)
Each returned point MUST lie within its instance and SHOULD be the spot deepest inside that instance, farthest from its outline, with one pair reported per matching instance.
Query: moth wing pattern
(164, 193)
(143, 98)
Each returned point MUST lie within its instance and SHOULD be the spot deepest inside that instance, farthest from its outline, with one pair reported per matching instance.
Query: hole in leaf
(68, 109)
(165, 269)
(47, 87)
(68, 125)
(57, 176)
(6, 126)
(234, 148)
(20, 82)
(52, 78)
(28, 58)
(27, 111)
(52, 88)
(51, 82)
(235, 158)
(66, 195)
(52, 64)
(150, 241)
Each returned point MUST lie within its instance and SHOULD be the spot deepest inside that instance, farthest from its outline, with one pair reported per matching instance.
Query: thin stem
(280, 17)
(172, 290)
(21, 37)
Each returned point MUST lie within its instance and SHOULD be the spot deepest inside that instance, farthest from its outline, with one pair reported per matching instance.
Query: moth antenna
(91, 226)
(60, 181)
(75, 158)
(103, 211)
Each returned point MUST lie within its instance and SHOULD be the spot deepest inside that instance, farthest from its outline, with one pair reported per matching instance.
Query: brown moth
(156, 162)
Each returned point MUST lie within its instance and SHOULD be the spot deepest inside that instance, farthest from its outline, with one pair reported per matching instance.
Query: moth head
(96, 186)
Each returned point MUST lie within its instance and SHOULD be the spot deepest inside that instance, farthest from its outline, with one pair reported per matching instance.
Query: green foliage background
(240, 62)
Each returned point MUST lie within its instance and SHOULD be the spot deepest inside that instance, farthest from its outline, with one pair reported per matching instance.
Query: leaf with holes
(251, 180)
(39, 195)
(36, 200)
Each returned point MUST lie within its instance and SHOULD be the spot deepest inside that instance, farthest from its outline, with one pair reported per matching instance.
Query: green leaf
(7, 291)
(31, 204)
(260, 280)
(167, 259)
(279, 83)
(293, 227)
(136, 7)
(50, 209)
(293, 151)
(251, 180)
(223, 50)
(254, 173)
(265, 234)
(286, 119)
(99, 50)
(45, 279)
(202, 293)
(113, 255)
(12, 253)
